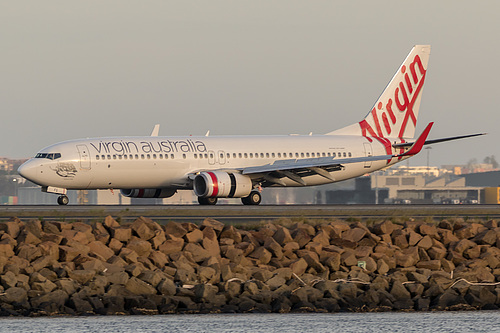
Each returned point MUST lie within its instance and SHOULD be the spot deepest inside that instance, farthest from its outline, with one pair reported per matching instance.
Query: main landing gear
(253, 199)
(207, 201)
(63, 200)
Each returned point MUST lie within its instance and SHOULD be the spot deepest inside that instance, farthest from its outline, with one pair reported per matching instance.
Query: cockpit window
(50, 156)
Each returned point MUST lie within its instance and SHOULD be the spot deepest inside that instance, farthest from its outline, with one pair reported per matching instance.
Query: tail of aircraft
(395, 113)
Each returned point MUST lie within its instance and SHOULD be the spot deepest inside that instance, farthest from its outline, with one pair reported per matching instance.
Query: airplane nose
(28, 170)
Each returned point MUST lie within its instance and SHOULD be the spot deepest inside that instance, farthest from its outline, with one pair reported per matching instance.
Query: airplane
(240, 166)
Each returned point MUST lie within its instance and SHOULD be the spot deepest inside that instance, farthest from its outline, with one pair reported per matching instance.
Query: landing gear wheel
(253, 199)
(63, 200)
(207, 201)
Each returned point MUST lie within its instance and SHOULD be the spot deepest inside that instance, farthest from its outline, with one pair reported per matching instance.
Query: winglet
(156, 130)
(417, 146)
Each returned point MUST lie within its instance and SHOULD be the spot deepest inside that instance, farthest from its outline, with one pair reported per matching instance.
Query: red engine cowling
(220, 184)
(148, 192)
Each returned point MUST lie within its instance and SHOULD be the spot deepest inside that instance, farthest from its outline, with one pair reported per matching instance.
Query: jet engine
(148, 192)
(220, 184)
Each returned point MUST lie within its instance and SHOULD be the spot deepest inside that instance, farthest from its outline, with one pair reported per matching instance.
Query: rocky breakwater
(49, 268)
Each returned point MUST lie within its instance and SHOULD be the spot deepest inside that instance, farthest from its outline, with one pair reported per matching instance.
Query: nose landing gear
(63, 200)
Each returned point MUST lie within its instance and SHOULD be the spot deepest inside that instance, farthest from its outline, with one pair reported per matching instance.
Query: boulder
(199, 254)
(299, 266)
(122, 233)
(140, 246)
(57, 298)
(274, 247)
(110, 222)
(6, 249)
(101, 250)
(139, 287)
(141, 228)
(12, 227)
(282, 236)
(195, 236)
(354, 235)
(14, 294)
(385, 227)
(428, 230)
(82, 276)
(262, 255)
(213, 224)
(433, 265)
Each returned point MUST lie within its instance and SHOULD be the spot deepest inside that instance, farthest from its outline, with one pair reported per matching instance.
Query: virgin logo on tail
(392, 116)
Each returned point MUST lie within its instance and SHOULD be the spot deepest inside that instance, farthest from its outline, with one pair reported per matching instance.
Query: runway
(243, 214)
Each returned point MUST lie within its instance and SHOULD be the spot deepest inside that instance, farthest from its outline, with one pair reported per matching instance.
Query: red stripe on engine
(141, 193)
(215, 182)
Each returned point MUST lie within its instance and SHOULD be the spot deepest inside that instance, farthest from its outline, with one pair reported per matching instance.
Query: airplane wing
(295, 169)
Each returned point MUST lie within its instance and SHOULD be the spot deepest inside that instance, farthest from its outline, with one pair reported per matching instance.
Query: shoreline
(52, 268)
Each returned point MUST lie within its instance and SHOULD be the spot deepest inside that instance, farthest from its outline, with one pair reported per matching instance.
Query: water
(478, 321)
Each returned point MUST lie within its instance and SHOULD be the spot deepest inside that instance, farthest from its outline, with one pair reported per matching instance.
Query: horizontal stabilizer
(429, 142)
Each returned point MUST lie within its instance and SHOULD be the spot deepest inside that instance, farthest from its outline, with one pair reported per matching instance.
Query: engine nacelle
(220, 184)
(148, 192)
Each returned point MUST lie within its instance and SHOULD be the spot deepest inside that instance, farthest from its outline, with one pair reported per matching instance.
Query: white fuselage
(167, 162)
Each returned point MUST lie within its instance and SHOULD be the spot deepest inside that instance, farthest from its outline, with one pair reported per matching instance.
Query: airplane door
(211, 157)
(84, 157)
(222, 157)
(368, 152)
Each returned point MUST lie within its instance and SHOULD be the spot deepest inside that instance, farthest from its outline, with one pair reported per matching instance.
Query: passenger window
(119, 157)
(279, 154)
(142, 156)
(323, 154)
(261, 155)
(109, 157)
(154, 156)
(125, 156)
(206, 155)
(245, 155)
(350, 155)
(267, 155)
(307, 154)
(251, 155)
(329, 154)
(172, 156)
(345, 155)
(96, 157)
(136, 156)
(161, 156)
(184, 156)
(301, 154)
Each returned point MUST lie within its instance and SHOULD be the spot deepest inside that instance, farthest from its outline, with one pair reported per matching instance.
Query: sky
(76, 69)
